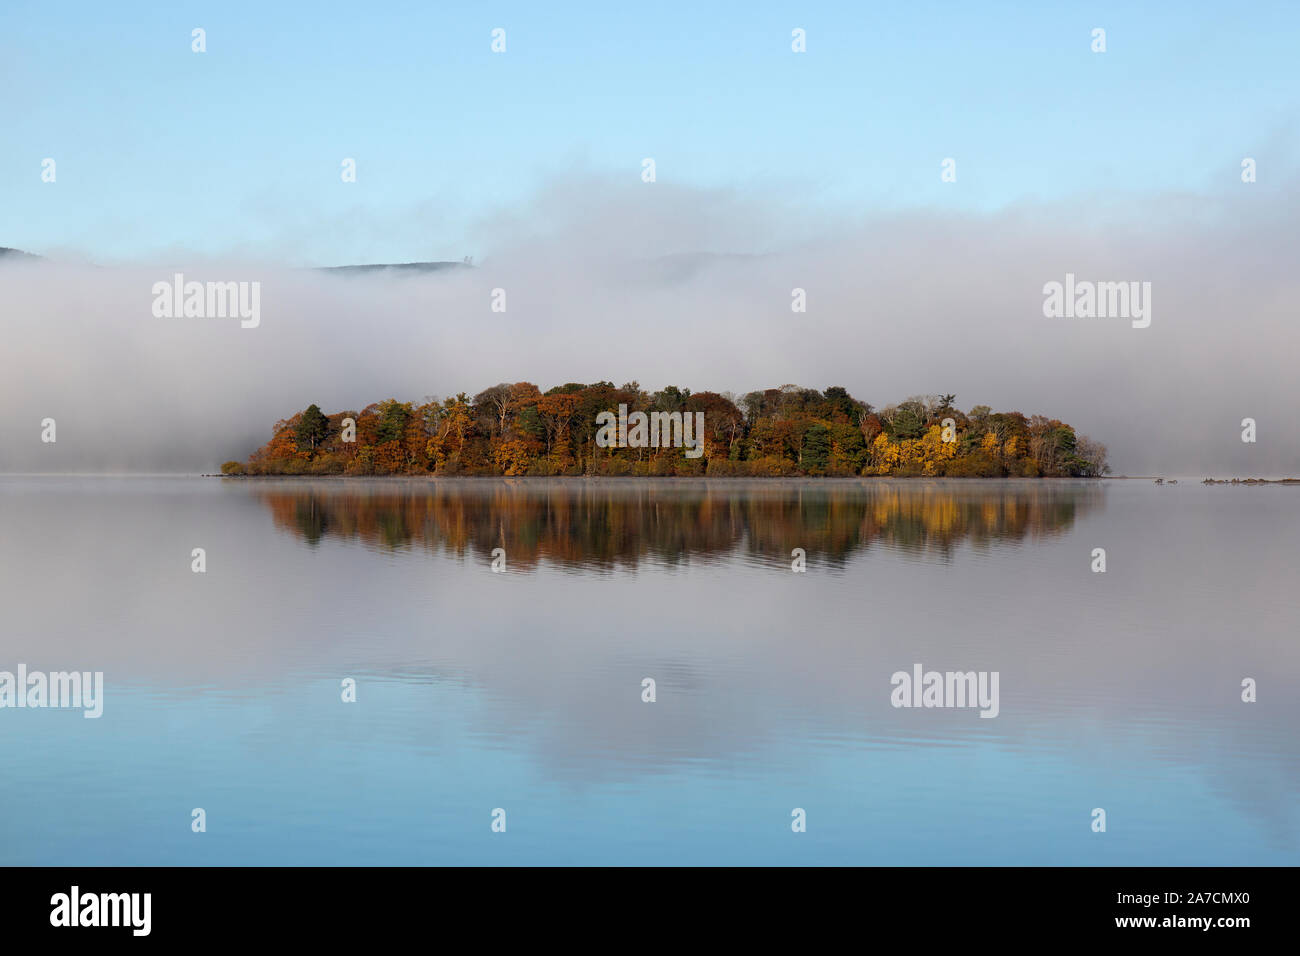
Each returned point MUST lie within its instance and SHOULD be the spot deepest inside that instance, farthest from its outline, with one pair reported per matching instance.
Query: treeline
(788, 431)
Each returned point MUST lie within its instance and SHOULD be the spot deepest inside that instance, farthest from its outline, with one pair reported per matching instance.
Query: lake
(521, 688)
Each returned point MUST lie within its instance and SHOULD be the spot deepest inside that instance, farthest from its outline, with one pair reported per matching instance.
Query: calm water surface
(522, 690)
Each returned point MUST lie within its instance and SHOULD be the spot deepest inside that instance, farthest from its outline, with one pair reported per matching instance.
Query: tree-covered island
(788, 431)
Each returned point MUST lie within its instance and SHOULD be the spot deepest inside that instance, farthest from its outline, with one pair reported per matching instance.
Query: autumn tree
(496, 400)
(1092, 455)
(557, 410)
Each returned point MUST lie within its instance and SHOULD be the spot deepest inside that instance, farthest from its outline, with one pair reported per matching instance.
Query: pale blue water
(522, 690)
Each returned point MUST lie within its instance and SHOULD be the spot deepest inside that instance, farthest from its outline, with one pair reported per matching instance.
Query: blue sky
(238, 150)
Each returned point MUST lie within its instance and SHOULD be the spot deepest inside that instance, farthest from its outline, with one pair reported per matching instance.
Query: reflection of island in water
(618, 524)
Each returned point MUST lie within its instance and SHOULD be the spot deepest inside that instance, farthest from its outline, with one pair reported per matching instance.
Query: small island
(1251, 481)
(791, 431)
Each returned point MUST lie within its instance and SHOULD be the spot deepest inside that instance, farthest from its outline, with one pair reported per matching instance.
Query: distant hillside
(413, 267)
(399, 266)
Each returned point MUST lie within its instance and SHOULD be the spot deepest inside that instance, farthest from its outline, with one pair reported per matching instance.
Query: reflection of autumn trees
(617, 524)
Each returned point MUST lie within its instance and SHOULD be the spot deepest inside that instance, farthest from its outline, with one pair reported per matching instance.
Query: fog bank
(668, 285)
